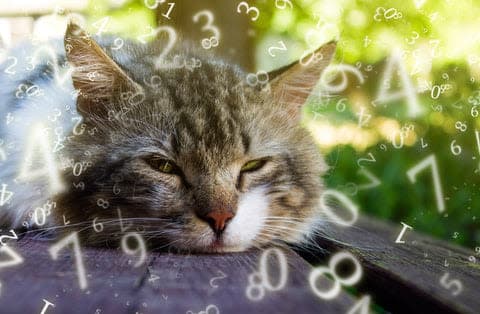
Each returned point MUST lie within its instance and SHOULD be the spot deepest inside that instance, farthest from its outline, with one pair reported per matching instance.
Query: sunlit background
(403, 87)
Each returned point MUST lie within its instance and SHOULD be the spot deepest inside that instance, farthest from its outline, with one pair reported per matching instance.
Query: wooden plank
(167, 283)
(112, 281)
(186, 283)
(406, 277)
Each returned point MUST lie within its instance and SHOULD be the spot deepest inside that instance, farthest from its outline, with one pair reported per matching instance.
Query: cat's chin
(213, 246)
(224, 249)
(219, 247)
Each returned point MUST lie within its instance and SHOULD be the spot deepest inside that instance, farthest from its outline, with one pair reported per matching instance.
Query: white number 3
(248, 10)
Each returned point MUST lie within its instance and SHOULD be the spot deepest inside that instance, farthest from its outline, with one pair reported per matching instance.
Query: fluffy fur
(206, 120)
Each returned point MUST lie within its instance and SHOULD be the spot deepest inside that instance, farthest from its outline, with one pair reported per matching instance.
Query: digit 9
(139, 250)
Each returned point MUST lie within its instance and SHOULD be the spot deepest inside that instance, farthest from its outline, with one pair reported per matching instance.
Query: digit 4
(101, 25)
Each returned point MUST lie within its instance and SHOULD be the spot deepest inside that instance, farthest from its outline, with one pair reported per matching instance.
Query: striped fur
(209, 122)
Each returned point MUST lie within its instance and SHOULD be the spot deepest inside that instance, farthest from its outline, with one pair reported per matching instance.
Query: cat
(189, 154)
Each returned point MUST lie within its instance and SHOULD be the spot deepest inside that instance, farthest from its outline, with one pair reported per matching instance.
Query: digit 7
(73, 239)
(429, 161)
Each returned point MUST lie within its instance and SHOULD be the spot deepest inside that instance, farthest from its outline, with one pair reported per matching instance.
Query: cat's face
(195, 160)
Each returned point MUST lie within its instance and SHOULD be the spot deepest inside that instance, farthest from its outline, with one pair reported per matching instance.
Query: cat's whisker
(282, 217)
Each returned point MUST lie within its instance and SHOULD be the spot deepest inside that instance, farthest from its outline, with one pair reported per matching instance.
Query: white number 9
(139, 250)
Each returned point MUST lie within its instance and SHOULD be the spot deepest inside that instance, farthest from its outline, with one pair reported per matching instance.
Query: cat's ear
(95, 75)
(292, 84)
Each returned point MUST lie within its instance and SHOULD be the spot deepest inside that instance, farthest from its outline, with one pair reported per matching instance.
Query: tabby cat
(191, 157)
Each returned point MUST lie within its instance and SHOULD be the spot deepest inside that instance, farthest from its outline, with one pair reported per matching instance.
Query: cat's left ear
(95, 75)
(292, 84)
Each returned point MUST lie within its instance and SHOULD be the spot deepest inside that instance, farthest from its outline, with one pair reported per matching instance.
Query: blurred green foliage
(439, 47)
(439, 43)
(129, 18)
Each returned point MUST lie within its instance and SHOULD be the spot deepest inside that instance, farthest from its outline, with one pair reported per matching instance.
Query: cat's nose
(218, 220)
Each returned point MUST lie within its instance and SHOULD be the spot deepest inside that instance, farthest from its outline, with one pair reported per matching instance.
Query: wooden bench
(401, 278)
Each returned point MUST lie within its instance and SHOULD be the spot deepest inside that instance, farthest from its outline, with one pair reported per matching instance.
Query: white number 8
(338, 281)
(260, 281)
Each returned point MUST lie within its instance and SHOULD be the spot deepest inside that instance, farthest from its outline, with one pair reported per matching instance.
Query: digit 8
(315, 57)
(255, 281)
(103, 203)
(258, 78)
(461, 126)
(338, 281)
(208, 43)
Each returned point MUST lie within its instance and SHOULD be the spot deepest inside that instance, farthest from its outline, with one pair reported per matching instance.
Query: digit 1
(73, 239)
(45, 307)
(405, 227)
(477, 136)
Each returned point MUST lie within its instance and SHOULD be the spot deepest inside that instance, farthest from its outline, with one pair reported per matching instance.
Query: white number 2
(8, 70)
(281, 48)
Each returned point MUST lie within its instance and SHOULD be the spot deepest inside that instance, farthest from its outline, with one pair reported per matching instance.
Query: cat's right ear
(292, 84)
(96, 76)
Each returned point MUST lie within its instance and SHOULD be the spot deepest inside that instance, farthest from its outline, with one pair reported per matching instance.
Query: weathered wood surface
(405, 278)
(183, 283)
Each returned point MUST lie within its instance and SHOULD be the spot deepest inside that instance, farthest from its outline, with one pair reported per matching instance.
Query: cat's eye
(253, 165)
(163, 165)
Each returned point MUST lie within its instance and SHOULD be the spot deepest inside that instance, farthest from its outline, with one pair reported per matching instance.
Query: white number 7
(432, 162)
(73, 239)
